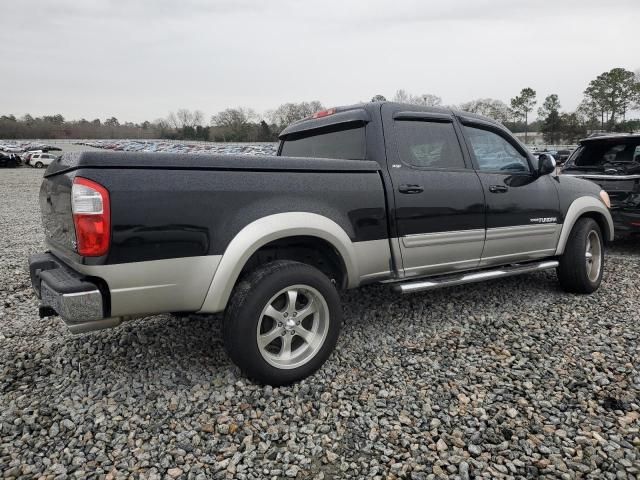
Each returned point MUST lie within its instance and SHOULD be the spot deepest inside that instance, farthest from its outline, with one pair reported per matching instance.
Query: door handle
(406, 188)
(498, 189)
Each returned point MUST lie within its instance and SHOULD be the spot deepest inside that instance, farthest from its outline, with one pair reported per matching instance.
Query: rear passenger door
(523, 208)
(439, 202)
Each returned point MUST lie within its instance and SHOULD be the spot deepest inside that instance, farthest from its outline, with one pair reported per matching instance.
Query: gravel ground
(507, 379)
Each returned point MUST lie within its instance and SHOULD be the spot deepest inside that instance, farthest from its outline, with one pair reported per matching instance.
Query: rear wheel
(282, 322)
(39, 165)
(581, 265)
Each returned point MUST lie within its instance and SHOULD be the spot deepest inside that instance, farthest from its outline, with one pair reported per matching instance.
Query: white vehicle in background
(28, 154)
(11, 148)
(41, 160)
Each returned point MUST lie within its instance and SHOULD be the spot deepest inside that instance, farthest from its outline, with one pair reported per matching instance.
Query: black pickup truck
(415, 198)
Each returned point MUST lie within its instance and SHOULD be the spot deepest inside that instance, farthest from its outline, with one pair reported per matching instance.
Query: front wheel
(282, 322)
(39, 165)
(582, 264)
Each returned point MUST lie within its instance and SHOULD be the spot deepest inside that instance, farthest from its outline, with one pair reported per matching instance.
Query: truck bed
(169, 161)
(170, 206)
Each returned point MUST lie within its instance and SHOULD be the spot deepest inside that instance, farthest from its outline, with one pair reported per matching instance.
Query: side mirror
(546, 164)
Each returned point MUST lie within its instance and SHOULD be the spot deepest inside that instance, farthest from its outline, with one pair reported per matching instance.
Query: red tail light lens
(91, 217)
(324, 113)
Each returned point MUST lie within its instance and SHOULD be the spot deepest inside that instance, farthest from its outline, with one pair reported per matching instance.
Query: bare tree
(489, 107)
(426, 99)
(288, 113)
(173, 121)
(186, 118)
(402, 96)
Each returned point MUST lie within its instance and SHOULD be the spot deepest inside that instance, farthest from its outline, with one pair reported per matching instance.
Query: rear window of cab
(341, 142)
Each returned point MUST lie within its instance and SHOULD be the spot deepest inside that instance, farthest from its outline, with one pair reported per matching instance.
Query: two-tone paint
(184, 226)
(179, 220)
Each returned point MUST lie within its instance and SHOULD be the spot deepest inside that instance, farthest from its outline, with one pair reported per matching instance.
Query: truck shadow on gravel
(190, 349)
(154, 349)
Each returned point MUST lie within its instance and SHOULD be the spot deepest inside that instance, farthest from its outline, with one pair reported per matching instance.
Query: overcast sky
(138, 60)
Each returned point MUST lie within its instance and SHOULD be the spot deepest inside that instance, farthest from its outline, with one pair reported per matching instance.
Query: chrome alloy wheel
(293, 326)
(593, 255)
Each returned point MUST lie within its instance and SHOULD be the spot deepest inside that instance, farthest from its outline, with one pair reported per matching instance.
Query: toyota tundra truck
(409, 197)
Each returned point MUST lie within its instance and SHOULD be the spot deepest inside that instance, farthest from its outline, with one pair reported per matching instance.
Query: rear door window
(346, 143)
(424, 144)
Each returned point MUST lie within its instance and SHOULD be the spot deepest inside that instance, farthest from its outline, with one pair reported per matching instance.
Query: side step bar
(451, 280)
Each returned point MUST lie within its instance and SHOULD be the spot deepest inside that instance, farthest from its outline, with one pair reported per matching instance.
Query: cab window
(346, 142)
(494, 153)
(425, 144)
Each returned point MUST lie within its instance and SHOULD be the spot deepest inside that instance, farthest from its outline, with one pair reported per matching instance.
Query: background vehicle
(416, 198)
(41, 160)
(27, 155)
(11, 149)
(561, 156)
(613, 162)
(10, 160)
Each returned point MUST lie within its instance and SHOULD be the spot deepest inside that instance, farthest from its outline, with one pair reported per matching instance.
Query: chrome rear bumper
(65, 292)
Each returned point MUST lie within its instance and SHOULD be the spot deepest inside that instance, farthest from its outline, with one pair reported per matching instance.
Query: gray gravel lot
(507, 379)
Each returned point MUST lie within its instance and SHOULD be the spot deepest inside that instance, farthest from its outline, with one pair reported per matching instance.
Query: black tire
(39, 165)
(574, 271)
(244, 312)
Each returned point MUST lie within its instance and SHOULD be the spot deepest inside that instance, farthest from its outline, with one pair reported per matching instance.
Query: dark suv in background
(613, 162)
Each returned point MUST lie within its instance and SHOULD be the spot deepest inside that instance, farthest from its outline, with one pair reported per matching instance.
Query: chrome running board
(451, 280)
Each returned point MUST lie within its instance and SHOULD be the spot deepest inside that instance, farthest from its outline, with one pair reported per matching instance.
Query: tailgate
(55, 207)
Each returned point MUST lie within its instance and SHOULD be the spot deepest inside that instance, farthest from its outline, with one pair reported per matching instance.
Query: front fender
(579, 207)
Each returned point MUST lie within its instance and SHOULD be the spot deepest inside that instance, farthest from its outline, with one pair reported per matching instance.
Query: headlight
(604, 196)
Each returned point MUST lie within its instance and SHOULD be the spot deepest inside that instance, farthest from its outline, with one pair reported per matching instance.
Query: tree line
(607, 102)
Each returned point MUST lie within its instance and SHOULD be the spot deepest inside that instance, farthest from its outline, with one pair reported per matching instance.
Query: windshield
(346, 143)
(598, 155)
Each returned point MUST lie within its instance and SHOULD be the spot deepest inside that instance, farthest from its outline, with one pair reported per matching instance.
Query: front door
(523, 208)
(439, 201)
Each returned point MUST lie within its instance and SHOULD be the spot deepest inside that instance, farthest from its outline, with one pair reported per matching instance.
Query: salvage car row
(36, 159)
(28, 153)
(172, 147)
(16, 154)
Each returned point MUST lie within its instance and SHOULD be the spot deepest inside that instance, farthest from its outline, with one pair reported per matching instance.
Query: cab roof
(363, 112)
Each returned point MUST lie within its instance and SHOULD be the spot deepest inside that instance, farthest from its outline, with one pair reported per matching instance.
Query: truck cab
(462, 192)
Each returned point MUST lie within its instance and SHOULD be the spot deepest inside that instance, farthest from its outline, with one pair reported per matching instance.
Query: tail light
(91, 217)
(324, 113)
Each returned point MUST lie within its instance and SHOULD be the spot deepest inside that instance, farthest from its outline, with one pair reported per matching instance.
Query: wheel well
(305, 249)
(602, 223)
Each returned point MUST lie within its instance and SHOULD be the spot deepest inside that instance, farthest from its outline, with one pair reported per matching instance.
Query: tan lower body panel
(520, 243)
(158, 286)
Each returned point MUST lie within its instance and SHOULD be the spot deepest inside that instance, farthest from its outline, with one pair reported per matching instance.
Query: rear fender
(265, 230)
